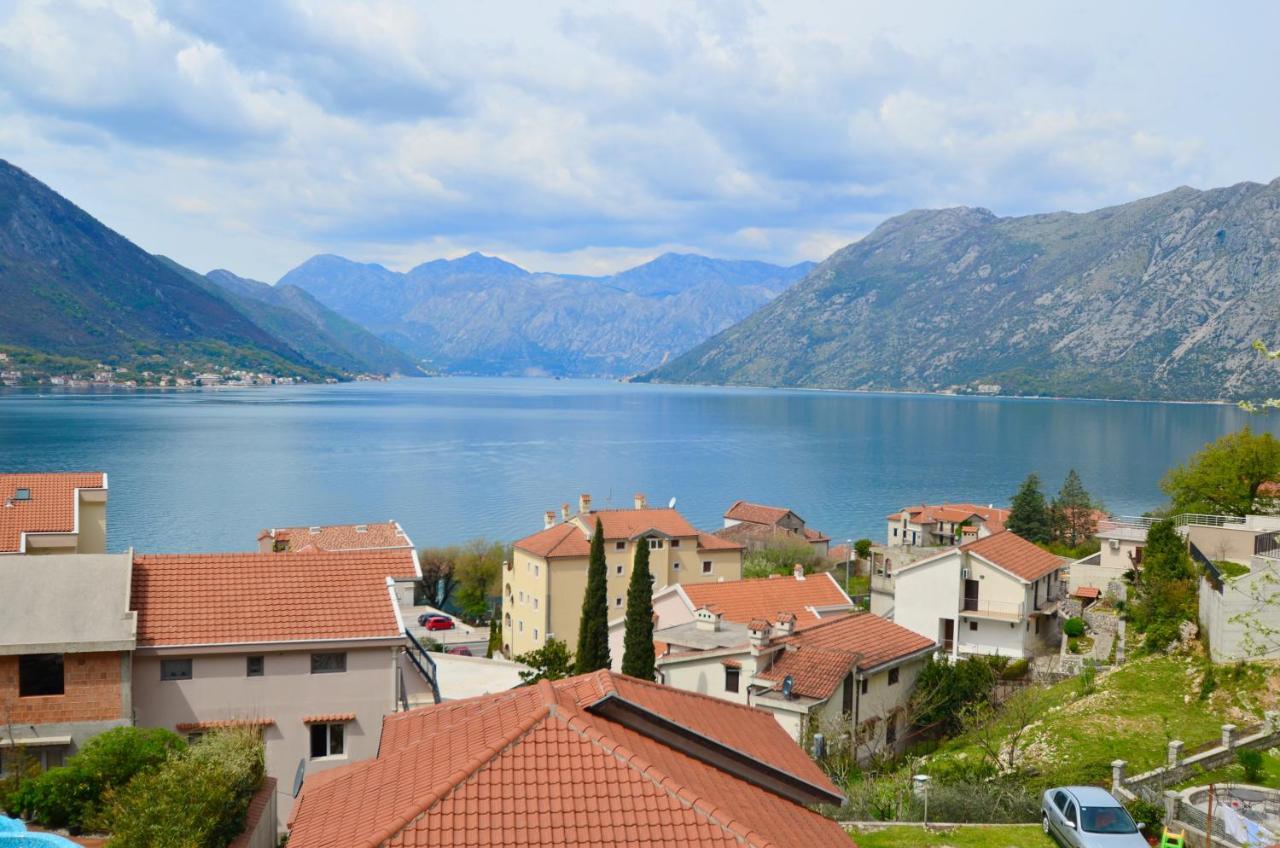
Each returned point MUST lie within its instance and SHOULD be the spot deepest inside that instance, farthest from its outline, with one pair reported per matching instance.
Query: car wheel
(1044, 824)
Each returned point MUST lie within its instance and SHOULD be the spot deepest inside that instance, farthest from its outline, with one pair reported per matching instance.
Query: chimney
(758, 632)
(799, 571)
(640, 504)
(785, 624)
(584, 503)
(564, 512)
(549, 519)
(707, 619)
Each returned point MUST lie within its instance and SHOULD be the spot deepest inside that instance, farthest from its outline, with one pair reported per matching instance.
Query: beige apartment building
(59, 513)
(546, 579)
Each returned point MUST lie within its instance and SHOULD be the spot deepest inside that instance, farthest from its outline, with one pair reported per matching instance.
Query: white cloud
(251, 135)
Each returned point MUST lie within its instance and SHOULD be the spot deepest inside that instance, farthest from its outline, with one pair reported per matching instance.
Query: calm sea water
(454, 459)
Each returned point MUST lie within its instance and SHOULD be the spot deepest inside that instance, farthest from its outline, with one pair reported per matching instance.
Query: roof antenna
(671, 504)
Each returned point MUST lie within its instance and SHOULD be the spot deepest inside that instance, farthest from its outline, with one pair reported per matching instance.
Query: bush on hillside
(1016, 670)
(199, 798)
(1073, 627)
(70, 795)
(780, 557)
(1250, 760)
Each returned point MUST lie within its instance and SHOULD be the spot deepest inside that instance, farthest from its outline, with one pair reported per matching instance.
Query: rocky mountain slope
(482, 315)
(1160, 298)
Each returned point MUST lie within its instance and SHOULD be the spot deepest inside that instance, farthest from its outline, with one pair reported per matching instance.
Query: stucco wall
(287, 693)
(1237, 620)
(926, 593)
(93, 524)
(1232, 543)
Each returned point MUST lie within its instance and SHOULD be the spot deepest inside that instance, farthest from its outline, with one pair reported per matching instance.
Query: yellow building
(546, 579)
(53, 513)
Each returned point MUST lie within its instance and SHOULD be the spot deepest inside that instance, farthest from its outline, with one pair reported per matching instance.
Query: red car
(435, 621)
(461, 651)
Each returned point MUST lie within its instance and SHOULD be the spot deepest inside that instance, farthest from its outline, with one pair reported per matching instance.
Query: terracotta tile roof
(570, 539)
(815, 672)
(756, 513)
(257, 806)
(326, 718)
(224, 724)
(1269, 489)
(208, 599)
(1015, 555)
(547, 765)
(712, 542)
(743, 600)
(993, 518)
(51, 507)
(337, 537)
(561, 540)
(1087, 592)
(628, 523)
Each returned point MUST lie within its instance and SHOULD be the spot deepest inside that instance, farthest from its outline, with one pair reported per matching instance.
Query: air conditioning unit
(1115, 544)
(964, 574)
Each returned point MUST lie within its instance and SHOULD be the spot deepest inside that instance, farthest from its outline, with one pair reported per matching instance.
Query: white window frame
(329, 737)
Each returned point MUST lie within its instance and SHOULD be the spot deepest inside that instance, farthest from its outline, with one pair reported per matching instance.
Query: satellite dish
(297, 777)
(787, 683)
(671, 504)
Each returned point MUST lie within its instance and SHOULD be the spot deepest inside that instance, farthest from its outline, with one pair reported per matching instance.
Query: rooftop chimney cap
(798, 570)
(584, 502)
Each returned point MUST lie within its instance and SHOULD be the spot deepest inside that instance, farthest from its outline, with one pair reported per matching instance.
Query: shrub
(198, 799)
(781, 557)
(1250, 760)
(1073, 627)
(1151, 816)
(1208, 682)
(1073, 645)
(1016, 670)
(1085, 683)
(70, 795)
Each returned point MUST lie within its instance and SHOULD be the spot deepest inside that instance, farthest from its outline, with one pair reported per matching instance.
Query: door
(948, 634)
(971, 594)
(1070, 823)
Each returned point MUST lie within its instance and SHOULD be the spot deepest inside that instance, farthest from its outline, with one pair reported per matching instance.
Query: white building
(943, 524)
(998, 595)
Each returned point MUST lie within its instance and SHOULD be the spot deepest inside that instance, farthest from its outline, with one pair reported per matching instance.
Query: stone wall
(1102, 622)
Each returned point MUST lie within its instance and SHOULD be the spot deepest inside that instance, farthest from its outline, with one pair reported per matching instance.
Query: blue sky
(589, 137)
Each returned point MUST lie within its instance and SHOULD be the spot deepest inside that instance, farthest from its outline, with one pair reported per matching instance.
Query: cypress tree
(637, 653)
(1029, 513)
(1074, 511)
(593, 629)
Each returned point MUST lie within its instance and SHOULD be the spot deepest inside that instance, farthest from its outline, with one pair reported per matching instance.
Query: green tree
(593, 628)
(1029, 513)
(1074, 510)
(1226, 476)
(550, 662)
(637, 652)
(1164, 595)
(495, 637)
(862, 548)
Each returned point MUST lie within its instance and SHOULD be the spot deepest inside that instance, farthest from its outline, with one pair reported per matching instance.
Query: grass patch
(1017, 836)
(859, 584)
(1230, 570)
(1234, 773)
(1132, 714)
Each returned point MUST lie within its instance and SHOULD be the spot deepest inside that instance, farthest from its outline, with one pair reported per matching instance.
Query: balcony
(994, 610)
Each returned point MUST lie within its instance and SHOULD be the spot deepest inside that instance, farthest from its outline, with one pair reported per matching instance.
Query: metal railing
(421, 660)
(993, 609)
(1182, 519)
(1267, 545)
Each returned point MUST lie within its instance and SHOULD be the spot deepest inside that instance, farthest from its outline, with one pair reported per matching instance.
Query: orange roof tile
(257, 807)
(743, 600)
(209, 599)
(756, 513)
(224, 724)
(325, 718)
(559, 764)
(561, 540)
(629, 523)
(572, 538)
(993, 518)
(339, 537)
(712, 542)
(50, 508)
(1016, 555)
(1087, 592)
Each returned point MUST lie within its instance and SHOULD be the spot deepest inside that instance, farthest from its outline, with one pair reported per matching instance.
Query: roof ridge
(665, 782)
(447, 785)
(685, 692)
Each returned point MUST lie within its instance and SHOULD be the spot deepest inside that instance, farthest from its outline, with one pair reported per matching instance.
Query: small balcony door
(971, 594)
(948, 635)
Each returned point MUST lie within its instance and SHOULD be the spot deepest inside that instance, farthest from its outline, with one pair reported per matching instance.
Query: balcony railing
(1003, 610)
(1184, 519)
(1267, 545)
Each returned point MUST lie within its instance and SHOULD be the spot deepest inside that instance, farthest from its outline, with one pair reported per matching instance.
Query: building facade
(546, 579)
(943, 525)
(53, 513)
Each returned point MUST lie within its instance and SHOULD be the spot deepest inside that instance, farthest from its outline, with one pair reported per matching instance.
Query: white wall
(927, 592)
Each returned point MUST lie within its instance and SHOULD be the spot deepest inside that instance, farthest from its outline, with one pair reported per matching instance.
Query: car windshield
(1106, 820)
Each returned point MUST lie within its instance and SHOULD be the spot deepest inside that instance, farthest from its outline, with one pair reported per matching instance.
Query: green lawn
(1132, 715)
(1017, 836)
(1234, 773)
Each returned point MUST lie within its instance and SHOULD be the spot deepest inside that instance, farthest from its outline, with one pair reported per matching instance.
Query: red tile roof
(51, 508)
(561, 540)
(210, 599)
(1087, 592)
(326, 718)
(712, 542)
(561, 765)
(337, 537)
(756, 513)
(570, 539)
(993, 518)
(628, 523)
(1015, 555)
(761, 597)
(224, 724)
(257, 807)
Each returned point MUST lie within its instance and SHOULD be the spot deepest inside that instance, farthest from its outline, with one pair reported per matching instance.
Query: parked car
(460, 650)
(1088, 817)
(435, 621)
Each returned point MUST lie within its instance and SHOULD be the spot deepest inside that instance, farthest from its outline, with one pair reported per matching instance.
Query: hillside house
(598, 759)
(383, 535)
(943, 525)
(997, 596)
(546, 579)
(757, 526)
(55, 513)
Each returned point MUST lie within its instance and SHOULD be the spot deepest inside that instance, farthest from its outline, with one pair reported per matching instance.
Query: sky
(590, 137)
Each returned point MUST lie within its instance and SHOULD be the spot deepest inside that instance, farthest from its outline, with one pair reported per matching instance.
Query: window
(617, 569)
(675, 566)
(654, 544)
(973, 625)
(40, 674)
(194, 736)
(619, 546)
(847, 702)
(327, 740)
(255, 666)
(675, 543)
(731, 676)
(535, 633)
(1037, 625)
(535, 603)
(536, 570)
(617, 602)
(22, 495)
(1070, 812)
(706, 566)
(1060, 800)
(893, 677)
(866, 681)
(895, 532)
(328, 663)
(522, 597)
(175, 669)
(520, 626)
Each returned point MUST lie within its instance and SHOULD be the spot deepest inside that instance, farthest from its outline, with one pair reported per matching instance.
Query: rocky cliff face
(1161, 298)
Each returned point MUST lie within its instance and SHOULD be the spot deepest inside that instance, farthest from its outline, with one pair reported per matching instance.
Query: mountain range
(482, 315)
(1161, 298)
(71, 287)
